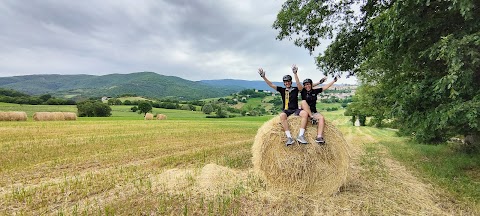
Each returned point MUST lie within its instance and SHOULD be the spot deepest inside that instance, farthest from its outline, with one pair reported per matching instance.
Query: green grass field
(123, 99)
(126, 165)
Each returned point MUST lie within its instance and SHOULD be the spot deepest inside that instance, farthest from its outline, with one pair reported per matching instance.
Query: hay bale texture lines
(13, 116)
(161, 117)
(300, 168)
(54, 116)
(148, 116)
(70, 116)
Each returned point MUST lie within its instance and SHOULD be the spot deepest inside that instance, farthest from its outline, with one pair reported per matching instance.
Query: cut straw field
(192, 166)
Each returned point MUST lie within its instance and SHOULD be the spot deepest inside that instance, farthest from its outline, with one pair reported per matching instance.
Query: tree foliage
(420, 60)
(91, 108)
(144, 107)
(207, 108)
(12, 96)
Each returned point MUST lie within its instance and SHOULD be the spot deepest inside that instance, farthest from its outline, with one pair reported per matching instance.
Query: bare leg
(304, 116)
(306, 108)
(283, 120)
(321, 124)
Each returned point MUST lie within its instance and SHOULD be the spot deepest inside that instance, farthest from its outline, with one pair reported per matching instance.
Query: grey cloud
(195, 40)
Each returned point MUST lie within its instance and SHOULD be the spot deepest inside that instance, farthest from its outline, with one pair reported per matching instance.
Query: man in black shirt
(290, 106)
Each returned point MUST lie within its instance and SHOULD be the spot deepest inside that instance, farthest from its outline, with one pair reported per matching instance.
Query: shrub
(91, 108)
(207, 109)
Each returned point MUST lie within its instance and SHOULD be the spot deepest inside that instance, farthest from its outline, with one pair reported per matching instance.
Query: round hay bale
(148, 116)
(300, 168)
(48, 116)
(13, 116)
(70, 116)
(161, 117)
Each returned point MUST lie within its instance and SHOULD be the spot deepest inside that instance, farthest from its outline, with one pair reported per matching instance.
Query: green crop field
(192, 165)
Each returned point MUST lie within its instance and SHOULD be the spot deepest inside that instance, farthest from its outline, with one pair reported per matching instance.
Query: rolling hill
(246, 84)
(146, 84)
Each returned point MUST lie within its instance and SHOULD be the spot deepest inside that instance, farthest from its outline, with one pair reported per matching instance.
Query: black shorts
(290, 112)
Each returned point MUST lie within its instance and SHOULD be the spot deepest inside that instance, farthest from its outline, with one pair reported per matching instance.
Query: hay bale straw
(215, 179)
(161, 117)
(13, 116)
(70, 116)
(299, 168)
(48, 116)
(148, 116)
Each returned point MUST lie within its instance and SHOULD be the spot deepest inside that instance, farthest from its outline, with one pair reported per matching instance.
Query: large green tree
(144, 107)
(423, 56)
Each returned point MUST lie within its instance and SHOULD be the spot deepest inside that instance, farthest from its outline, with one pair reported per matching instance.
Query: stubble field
(191, 166)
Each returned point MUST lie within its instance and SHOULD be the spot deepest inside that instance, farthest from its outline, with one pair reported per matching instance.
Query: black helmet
(287, 78)
(307, 81)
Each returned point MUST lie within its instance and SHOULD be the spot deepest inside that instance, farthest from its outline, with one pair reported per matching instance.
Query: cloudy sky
(191, 39)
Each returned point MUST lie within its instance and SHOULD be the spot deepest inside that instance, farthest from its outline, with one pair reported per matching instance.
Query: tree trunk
(472, 139)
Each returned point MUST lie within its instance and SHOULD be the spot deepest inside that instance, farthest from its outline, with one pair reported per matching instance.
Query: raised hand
(261, 72)
(294, 69)
(323, 80)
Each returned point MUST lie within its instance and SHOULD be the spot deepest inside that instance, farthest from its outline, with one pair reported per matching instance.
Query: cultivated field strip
(94, 158)
(191, 167)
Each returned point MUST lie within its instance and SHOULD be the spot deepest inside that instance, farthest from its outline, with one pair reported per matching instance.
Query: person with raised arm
(290, 106)
(309, 102)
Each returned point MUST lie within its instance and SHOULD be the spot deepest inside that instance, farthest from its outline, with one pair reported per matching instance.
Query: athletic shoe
(302, 140)
(289, 141)
(320, 140)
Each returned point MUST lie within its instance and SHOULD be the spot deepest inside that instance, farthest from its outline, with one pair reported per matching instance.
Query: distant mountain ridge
(246, 84)
(147, 84)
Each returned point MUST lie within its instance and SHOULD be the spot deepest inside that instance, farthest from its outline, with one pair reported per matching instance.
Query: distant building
(105, 98)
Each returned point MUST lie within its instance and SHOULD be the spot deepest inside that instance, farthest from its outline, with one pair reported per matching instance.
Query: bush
(207, 109)
(93, 109)
(221, 113)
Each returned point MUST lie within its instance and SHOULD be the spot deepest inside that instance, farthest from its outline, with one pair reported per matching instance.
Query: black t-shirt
(311, 98)
(293, 97)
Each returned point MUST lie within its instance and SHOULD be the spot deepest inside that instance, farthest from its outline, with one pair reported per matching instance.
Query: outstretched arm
(262, 74)
(319, 82)
(329, 84)
(297, 80)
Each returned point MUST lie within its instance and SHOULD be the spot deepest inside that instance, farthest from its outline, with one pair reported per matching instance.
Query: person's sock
(288, 134)
(302, 131)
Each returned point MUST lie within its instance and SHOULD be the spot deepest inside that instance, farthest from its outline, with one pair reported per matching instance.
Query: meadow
(192, 165)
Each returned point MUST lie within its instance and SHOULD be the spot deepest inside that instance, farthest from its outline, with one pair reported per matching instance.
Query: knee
(320, 117)
(304, 104)
(303, 113)
(283, 116)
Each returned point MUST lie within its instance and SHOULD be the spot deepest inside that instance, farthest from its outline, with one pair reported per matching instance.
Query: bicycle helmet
(307, 81)
(287, 78)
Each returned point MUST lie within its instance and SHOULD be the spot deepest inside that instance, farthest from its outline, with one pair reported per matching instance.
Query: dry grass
(161, 117)
(189, 168)
(48, 116)
(70, 116)
(310, 168)
(148, 116)
(13, 116)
